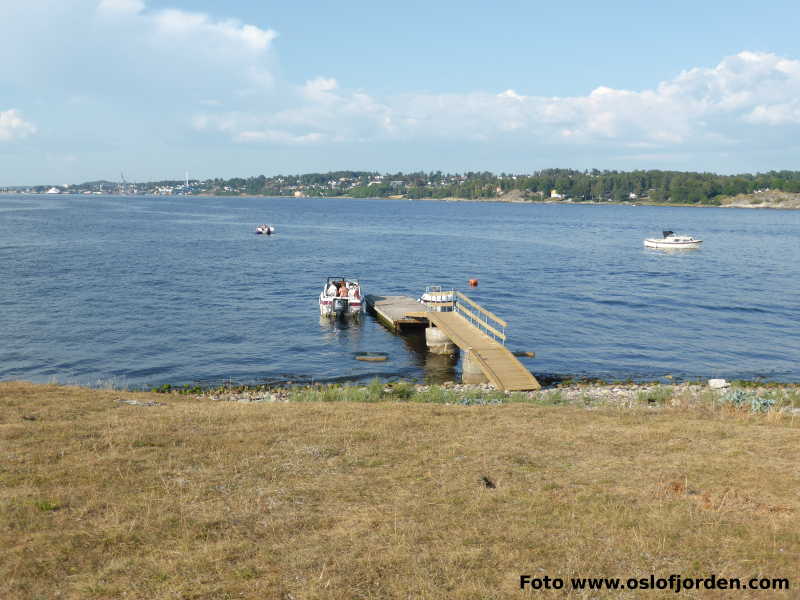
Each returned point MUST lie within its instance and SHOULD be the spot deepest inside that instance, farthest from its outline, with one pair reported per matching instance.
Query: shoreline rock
(652, 395)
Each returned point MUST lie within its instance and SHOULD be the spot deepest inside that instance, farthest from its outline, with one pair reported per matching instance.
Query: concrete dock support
(438, 342)
(471, 371)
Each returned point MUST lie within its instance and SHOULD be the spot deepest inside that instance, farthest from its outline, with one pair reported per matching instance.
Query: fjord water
(141, 291)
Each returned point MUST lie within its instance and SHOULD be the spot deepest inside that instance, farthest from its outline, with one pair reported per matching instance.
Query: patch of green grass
(758, 383)
(483, 395)
(350, 393)
(248, 572)
(658, 396)
(374, 390)
(790, 398)
(334, 392)
(435, 395)
(552, 398)
(402, 391)
(47, 505)
(303, 395)
(745, 383)
(518, 397)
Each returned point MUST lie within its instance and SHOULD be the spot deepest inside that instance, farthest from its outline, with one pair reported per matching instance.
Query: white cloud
(193, 27)
(701, 106)
(312, 113)
(125, 71)
(511, 95)
(120, 7)
(14, 126)
(114, 48)
(267, 135)
(787, 113)
(320, 89)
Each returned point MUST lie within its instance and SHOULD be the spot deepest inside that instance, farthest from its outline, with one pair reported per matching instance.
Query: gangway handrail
(476, 321)
(482, 319)
(485, 321)
(483, 310)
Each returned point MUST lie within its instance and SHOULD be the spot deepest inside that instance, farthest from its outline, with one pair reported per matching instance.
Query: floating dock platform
(475, 330)
(396, 312)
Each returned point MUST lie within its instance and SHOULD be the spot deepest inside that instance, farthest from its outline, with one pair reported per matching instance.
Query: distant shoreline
(794, 205)
(750, 201)
(779, 206)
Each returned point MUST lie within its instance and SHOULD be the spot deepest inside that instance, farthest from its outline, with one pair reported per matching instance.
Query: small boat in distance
(670, 241)
(265, 230)
(340, 297)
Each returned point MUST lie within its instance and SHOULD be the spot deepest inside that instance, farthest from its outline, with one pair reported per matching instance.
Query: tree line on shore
(590, 185)
(581, 186)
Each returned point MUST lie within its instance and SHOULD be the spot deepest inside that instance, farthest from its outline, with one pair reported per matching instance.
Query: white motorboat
(437, 300)
(670, 241)
(341, 297)
(265, 230)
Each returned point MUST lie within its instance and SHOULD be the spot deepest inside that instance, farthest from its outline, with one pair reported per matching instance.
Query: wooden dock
(394, 311)
(469, 326)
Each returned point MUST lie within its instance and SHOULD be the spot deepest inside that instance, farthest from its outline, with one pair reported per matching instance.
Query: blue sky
(92, 88)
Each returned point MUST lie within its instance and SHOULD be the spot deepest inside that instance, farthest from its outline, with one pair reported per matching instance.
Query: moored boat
(265, 230)
(437, 300)
(670, 241)
(341, 297)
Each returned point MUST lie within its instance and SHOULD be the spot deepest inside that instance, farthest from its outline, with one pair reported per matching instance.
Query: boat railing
(484, 320)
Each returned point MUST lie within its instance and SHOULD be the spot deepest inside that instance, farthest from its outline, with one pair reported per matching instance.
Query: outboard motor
(340, 306)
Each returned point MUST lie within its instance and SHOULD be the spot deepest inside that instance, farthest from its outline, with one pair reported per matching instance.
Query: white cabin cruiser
(265, 230)
(437, 300)
(670, 241)
(341, 297)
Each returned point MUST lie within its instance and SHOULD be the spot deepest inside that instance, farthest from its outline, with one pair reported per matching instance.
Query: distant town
(564, 185)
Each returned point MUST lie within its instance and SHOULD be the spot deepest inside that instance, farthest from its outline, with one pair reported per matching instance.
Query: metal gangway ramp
(481, 334)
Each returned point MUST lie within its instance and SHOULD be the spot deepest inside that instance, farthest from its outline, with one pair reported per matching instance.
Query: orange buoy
(473, 283)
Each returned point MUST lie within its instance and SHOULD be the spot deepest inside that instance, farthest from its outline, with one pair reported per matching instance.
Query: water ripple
(188, 293)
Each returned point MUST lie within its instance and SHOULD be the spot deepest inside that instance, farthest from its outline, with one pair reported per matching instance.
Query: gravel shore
(785, 397)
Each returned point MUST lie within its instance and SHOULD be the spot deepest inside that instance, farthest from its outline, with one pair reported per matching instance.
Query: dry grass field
(196, 498)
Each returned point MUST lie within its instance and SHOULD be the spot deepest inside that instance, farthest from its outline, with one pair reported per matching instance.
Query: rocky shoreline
(782, 201)
(753, 397)
(767, 199)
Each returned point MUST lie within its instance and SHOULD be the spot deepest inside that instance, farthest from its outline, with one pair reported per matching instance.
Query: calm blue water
(143, 291)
